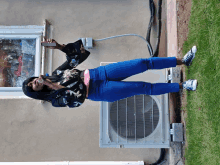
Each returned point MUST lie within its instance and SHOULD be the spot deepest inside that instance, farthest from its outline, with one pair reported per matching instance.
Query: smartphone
(48, 44)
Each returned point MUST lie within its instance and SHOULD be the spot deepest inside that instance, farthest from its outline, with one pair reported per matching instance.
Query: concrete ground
(175, 153)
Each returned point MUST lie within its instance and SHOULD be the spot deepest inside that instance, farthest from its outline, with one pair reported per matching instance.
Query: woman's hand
(44, 81)
(51, 41)
(40, 79)
(55, 86)
(82, 49)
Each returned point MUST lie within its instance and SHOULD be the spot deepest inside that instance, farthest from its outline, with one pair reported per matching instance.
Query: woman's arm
(53, 85)
(60, 47)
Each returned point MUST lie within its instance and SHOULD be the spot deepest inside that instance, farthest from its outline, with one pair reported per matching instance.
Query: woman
(70, 87)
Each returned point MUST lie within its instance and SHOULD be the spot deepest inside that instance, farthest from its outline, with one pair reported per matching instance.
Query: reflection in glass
(17, 61)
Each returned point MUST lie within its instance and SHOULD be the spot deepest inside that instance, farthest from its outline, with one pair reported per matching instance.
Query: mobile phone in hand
(48, 44)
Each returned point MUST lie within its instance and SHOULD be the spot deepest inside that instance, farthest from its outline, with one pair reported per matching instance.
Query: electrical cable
(149, 46)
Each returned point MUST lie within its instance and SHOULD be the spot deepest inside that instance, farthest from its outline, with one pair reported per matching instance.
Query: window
(20, 55)
(17, 61)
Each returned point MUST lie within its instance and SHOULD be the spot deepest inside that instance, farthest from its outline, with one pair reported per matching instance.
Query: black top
(75, 92)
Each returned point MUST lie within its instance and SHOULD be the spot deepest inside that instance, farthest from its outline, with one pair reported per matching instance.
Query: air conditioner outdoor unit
(140, 121)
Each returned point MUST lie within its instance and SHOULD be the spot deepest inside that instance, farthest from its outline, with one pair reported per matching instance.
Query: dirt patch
(183, 17)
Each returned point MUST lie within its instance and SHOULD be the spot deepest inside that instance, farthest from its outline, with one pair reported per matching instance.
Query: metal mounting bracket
(174, 75)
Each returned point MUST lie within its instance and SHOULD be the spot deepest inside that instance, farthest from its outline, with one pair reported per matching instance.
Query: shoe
(187, 59)
(190, 85)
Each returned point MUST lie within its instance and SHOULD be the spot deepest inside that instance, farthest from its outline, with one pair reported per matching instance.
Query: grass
(203, 105)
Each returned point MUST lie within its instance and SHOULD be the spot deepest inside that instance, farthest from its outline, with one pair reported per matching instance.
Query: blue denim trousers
(106, 81)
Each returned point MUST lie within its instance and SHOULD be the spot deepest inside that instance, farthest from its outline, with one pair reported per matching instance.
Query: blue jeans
(106, 85)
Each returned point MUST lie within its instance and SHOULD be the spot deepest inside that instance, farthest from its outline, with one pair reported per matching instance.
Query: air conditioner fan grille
(135, 117)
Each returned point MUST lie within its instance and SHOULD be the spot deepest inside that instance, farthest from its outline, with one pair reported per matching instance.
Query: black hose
(152, 10)
(162, 156)
(158, 28)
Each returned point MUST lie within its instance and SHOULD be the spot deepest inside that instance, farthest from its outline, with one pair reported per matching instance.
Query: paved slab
(175, 151)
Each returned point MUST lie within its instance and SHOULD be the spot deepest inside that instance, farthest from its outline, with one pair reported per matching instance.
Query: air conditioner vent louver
(141, 108)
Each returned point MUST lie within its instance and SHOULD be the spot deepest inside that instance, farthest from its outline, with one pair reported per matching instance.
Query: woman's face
(36, 86)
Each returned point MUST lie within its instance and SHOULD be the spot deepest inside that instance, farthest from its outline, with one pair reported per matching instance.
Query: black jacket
(75, 92)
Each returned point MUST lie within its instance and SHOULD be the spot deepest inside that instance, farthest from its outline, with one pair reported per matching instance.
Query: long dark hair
(43, 94)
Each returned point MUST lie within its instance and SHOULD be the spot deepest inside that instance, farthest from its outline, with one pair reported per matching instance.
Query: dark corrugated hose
(152, 10)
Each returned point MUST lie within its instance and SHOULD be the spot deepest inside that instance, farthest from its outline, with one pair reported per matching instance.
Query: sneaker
(187, 59)
(190, 85)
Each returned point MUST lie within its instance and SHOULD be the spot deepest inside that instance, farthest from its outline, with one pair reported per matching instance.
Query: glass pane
(17, 61)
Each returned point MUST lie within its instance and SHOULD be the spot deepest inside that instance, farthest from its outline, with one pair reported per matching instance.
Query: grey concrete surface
(34, 132)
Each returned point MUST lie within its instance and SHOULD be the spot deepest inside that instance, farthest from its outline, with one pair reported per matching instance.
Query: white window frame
(21, 32)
